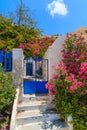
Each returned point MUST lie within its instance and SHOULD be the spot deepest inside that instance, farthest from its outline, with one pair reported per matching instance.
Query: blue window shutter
(9, 55)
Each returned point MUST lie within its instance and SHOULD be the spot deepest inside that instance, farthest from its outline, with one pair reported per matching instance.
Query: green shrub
(7, 94)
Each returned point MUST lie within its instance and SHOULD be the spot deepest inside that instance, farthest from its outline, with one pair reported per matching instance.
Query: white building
(54, 55)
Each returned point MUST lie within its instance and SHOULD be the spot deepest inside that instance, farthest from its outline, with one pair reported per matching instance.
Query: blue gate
(36, 76)
(6, 60)
(35, 87)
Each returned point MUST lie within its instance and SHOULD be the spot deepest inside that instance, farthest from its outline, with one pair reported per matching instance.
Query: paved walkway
(38, 113)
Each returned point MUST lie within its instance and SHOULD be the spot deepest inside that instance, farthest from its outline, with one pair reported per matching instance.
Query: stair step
(26, 107)
(47, 125)
(38, 105)
(37, 112)
(34, 102)
(36, 116)
(33, 97)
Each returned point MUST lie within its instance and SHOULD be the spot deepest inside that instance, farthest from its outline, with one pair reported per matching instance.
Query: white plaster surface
(17, 66)
(14, 111)
(54, 55)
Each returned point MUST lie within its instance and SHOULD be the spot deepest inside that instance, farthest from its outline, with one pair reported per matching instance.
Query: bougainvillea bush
(69, 83)
(12, 34)
(37, 46)
(30, 39)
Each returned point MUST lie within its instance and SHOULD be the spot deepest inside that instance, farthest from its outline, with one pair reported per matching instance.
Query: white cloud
(57, 7)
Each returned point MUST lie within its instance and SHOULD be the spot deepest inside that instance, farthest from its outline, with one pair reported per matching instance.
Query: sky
(53, 16)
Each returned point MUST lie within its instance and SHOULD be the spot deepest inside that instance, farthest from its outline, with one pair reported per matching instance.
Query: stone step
(47, 125)
(27, 107)
(34, 102)
(36, 116)
(38, 105)
(33, 97)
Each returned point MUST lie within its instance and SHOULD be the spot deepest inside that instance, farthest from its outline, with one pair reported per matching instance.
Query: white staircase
(37, 113)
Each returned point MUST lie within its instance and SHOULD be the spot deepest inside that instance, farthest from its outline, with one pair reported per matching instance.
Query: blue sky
(53, 16)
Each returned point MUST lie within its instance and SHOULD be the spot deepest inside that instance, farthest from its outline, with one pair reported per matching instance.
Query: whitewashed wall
(54, 55)
(17, 66)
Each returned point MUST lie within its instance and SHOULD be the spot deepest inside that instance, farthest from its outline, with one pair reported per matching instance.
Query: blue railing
(6, 60)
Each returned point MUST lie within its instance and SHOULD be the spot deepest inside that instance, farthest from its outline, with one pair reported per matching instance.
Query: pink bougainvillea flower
(85, 91)
(51, 87)
(55, 76)
(83, 71)
(21, 46)
(72, 88)
(80, 84)
(76, 43)
(72, 76)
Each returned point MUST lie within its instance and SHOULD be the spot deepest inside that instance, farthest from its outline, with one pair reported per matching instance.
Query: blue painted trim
(35, 58)
(0, 56)
(5, 61)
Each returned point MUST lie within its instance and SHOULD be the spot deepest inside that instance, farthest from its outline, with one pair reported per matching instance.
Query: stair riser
(43, 107)
(28, 120)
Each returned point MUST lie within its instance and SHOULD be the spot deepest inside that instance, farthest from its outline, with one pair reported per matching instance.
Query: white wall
(17, 67)
(54, 55)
